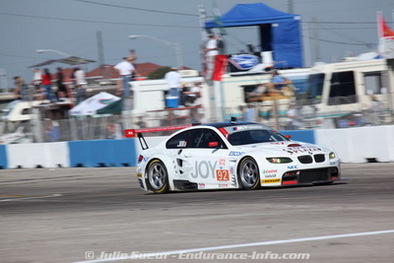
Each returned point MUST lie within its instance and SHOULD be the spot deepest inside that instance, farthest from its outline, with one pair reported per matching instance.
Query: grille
(319, 158)
(314, 175)
(305, 159)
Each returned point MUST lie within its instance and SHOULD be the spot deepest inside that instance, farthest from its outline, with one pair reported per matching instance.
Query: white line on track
(255, 244)
(29, 198)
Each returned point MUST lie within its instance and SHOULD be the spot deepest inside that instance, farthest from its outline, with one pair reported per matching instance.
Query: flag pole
(392, 16)
(379, 21)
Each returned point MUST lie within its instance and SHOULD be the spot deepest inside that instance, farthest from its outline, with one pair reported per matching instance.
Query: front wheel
(248, 174)
(158, 177)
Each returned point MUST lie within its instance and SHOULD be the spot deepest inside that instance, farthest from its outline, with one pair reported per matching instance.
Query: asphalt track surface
(101, 215)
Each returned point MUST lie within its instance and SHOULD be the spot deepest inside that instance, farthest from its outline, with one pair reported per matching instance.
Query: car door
(206, 160)
(174, 151)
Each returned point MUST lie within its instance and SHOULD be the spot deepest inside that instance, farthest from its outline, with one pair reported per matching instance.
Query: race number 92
(222, 175)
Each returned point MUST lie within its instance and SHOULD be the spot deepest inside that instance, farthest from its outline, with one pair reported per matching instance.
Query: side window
(342, 88)
(373, 82)
(181, 140)
(204, 137)
(315, 87)
(25, 111)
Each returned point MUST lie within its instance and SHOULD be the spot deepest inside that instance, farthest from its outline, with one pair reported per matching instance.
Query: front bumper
(311, 176)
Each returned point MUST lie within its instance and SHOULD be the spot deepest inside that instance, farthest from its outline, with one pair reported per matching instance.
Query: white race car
(231, 155)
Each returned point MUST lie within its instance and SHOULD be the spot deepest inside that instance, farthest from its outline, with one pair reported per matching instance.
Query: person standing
(294, 121)
(173, 79)
(126, 70)
(37, 79)
(80, 83)
(21, 90)
(211, 50)
(47, 83)
(61, 88)
(278, 81)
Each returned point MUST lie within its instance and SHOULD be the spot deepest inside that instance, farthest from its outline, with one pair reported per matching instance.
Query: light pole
(178, 52)
(54, 51)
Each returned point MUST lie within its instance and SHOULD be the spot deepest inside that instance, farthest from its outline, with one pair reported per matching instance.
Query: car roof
(229, 124)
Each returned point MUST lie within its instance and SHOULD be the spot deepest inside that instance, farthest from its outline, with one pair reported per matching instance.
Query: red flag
(385, 30)
(220, 67)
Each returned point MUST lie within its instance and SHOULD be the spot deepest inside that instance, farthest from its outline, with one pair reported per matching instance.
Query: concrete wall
(361, 144)
(35, 155)
(353, 145)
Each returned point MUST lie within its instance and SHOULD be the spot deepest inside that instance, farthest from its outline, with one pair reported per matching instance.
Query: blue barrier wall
(301, 136)
(3, 157)
(102, 153)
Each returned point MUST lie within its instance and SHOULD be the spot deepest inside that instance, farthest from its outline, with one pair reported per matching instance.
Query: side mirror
(213, 144)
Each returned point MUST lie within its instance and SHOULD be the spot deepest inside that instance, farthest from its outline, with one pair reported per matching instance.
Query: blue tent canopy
(279, 31)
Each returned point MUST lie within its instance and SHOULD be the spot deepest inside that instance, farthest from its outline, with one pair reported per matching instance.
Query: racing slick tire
(157, 177)
(248, 174)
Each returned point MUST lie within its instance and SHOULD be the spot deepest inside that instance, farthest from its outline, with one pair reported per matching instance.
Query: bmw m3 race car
(230, 155)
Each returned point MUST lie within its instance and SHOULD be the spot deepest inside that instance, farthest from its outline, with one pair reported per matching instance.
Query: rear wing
(133, 133)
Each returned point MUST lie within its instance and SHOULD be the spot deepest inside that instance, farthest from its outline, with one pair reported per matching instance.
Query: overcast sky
(71, 26)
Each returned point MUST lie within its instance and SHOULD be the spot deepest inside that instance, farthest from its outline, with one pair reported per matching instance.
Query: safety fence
(353, 145)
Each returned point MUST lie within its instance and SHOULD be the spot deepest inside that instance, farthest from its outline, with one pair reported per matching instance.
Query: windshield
(255, 136)
(315, 88)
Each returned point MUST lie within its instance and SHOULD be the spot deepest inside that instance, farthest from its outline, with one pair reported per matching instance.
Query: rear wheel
(158, 177)
(248, 174)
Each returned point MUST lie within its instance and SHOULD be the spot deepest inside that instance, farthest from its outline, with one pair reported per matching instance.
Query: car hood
(286, 148)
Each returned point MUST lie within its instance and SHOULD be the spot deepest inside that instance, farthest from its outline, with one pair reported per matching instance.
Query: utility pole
(101, 53)
(3, 80)
(316, 46)
(290, 6)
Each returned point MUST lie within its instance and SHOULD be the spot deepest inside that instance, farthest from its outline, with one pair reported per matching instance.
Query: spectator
(211, 50)
(193, 94)
(250, 113)
(61, 88)
(21, 90)
(37, 78)
(52, 130)
(132, 57)
(278, 81)
(140, 122)
(47, 83)
(173, 79)
(257, 93)
(80, 84)
(293, 115)
(113, 131)
(126, 70)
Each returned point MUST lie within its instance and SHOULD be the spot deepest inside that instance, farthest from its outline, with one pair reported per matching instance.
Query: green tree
(159, 73)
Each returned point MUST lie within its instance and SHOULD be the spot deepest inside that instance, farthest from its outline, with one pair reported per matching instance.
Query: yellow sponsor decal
(270, 181)
(139, 175)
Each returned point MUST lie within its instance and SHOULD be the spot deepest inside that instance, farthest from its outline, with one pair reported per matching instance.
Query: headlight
(279, 160)
(332, 155)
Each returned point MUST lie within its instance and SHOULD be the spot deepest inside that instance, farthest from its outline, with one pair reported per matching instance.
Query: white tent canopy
(92, 104)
